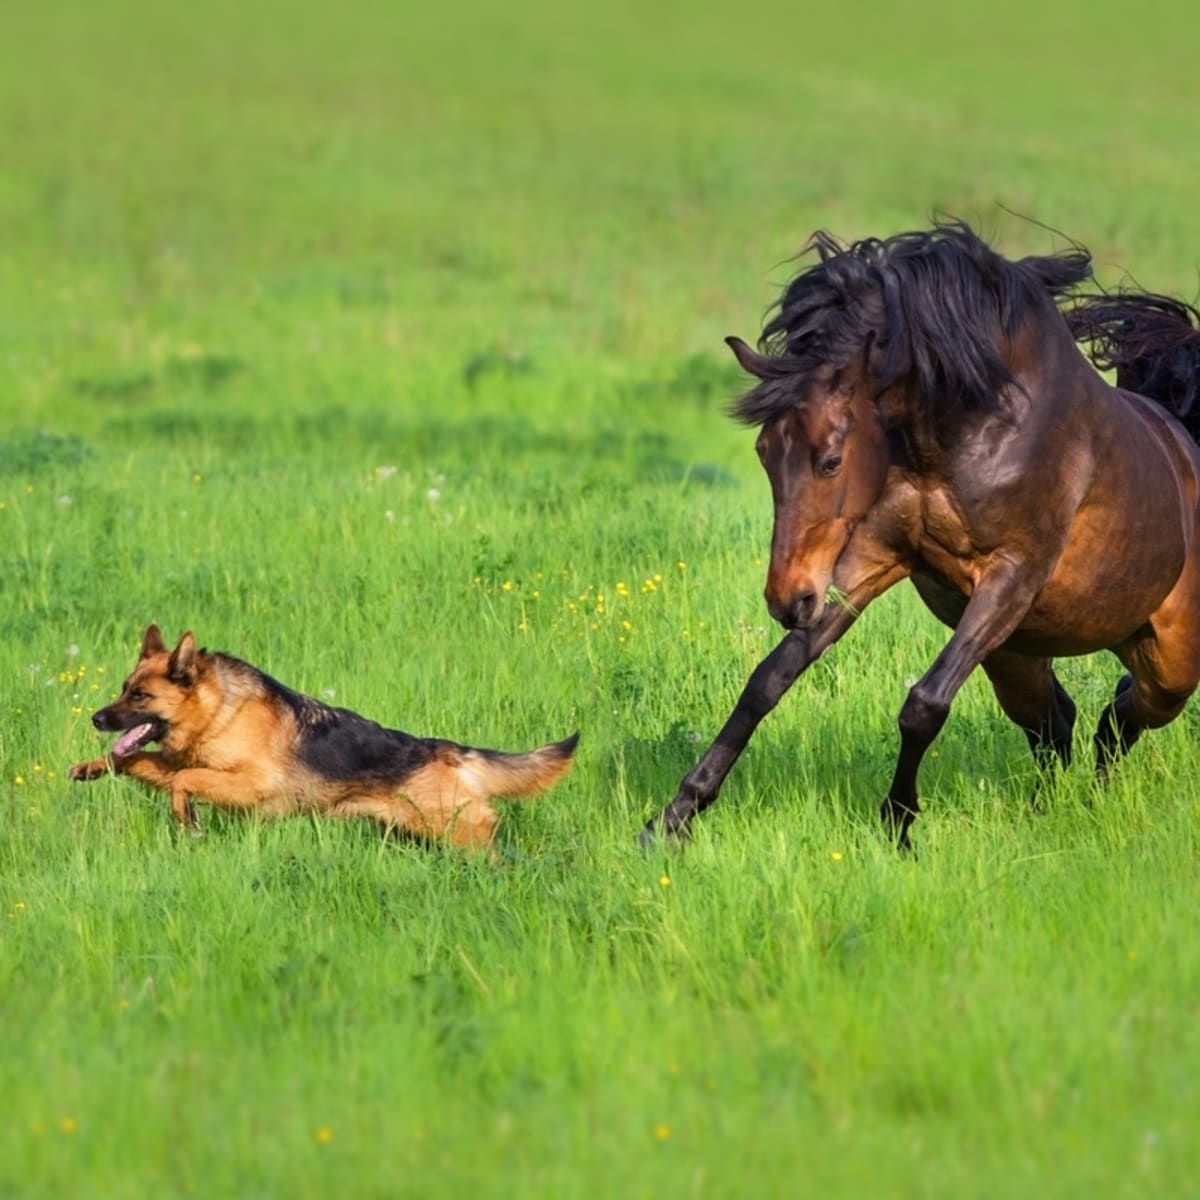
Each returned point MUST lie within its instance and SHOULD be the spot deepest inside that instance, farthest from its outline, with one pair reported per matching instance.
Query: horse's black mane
(1151, 341)
(928, 306)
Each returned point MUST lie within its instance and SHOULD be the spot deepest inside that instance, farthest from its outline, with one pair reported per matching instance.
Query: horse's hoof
(655, 836)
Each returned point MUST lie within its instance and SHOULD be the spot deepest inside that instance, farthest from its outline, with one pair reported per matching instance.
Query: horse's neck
(933, 444)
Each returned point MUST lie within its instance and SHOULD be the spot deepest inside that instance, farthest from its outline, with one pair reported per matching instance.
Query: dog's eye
(137, 695)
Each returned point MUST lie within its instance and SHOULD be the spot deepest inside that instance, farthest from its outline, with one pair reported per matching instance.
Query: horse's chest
(945, 602)
(944, 541)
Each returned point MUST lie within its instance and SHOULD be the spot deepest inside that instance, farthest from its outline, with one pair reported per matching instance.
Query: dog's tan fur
(230, 739)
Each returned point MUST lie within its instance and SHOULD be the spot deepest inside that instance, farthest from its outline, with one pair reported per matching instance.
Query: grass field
(383, 348)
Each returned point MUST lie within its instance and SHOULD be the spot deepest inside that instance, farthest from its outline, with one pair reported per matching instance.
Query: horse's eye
(829, 466)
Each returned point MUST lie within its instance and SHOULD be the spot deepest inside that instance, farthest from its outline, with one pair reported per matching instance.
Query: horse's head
(826, 456)
(916, 326)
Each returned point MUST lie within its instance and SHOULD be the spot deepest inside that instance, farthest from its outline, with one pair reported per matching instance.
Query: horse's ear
(152, 642)
(753, 363)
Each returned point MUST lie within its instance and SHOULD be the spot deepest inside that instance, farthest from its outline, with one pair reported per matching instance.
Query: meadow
(382, 347)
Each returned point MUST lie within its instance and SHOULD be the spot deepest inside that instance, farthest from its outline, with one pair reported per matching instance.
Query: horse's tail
(1151, 341)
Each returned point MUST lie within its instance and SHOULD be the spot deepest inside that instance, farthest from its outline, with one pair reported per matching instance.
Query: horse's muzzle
(798, 611)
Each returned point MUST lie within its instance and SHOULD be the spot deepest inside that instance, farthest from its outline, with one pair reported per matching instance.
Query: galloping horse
(925, 414)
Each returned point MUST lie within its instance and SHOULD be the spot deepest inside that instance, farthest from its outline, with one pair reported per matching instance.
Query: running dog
(233, 736)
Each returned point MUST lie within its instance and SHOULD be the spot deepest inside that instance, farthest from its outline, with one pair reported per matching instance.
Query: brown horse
(925, 414)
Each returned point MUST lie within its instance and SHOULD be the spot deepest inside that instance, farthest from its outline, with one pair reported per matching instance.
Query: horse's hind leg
(1144, 699)
(1163, 665)
(1031, 697)
(1116, 731)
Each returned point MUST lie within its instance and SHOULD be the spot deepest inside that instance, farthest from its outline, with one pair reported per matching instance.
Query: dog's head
(155, 696)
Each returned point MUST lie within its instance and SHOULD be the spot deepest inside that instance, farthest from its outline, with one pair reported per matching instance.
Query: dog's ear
(181, 667)
(152, 642)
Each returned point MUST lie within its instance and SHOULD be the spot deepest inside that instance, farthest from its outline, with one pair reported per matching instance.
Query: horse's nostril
(796, 612)
(803, 606)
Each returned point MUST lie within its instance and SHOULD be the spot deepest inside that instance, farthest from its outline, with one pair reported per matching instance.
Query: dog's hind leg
(468, 824)
(474, 826)
(378, 808)
(392, 811)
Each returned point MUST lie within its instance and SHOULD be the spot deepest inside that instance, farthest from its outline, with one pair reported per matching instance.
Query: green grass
(376, 347)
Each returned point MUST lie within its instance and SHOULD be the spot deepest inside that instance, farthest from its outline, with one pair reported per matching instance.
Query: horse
(925, 414)
(1151, 342)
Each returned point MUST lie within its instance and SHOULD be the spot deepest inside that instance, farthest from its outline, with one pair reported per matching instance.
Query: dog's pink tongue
(130, 740)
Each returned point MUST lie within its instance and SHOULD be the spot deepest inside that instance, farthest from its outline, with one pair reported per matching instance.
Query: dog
(233, 736)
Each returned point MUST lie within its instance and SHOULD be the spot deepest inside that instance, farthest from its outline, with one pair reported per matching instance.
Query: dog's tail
(501, 774)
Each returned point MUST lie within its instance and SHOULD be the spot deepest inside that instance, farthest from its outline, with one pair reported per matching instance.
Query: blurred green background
(381, 345)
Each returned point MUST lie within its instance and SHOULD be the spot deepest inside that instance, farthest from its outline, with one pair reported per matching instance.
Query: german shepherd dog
(233, 736)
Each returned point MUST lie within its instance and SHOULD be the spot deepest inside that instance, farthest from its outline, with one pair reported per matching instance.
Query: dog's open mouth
(137, 737)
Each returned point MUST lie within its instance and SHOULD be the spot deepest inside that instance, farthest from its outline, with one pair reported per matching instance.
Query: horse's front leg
(764, 689)
(997, 607)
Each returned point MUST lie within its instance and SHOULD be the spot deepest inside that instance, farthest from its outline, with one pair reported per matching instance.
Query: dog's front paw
(85, 772)
(184, 812)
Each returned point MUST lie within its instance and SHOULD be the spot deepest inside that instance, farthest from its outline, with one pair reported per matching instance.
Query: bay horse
(924, 413)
